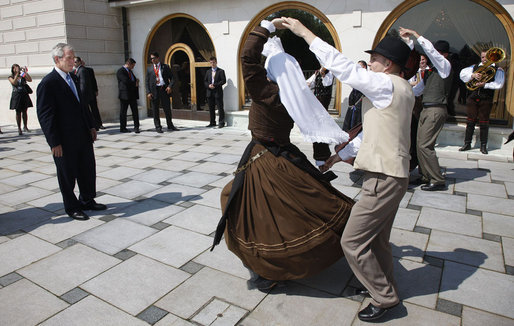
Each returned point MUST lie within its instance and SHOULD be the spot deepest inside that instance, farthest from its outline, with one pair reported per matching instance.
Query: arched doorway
(185, 45)
(484, 24)
(326, 28)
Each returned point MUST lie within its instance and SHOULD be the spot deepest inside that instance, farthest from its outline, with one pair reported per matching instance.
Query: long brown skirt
(283, 223)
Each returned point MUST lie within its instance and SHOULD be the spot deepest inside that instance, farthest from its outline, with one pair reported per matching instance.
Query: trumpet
(493, 55)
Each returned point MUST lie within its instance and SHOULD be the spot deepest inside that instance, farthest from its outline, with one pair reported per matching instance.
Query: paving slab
(468, 250)
(156, 176)
(68, 268)
(60, 228)
(332, 280)
(199, 289)
(443, 220)
(406, 219)
(465, 284)
(508, 250)
(223, 260)
(131, 189)
(491, 204)
(135, 284)
(28, 193)
(22, 251)
(173, 246)
(468, 174)
(148, 211)
(209, 198)
(198, 218)
(24, 303)
(480, 188)
(18, 219)
(175, 193)
(502, 225)
(115, 235)
(418, 283)
(439, 200)
(408, 245)
(318, 308)
(218, 312)
(196, 179)
(92, 311)
(474, 317)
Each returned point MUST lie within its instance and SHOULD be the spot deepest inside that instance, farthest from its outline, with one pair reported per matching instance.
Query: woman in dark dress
(353, 114)
(20, 99)
(281, 216)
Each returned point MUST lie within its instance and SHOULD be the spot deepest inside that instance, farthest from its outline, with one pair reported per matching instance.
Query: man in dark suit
(69, 130)
(214, 80)
(128, 94)
(89, 89)
(159, 81)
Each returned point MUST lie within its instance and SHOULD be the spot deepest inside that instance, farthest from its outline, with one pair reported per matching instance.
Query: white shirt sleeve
(465, 74)
(499, 80)
(377, 87)
(328, 79)
(418, 88)
(310, 81)
(442, 64)
(351, 149)
(268, 25)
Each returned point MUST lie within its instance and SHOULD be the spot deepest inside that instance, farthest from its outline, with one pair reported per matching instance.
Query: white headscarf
(315, 124)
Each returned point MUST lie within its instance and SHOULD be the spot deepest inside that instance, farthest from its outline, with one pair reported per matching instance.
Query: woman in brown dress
(281, 216)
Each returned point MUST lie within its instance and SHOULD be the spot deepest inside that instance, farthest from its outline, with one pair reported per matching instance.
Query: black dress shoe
(483, 149)
(173, 128)
(466, 147)
(124, 130)
(136, 130)
(159, 130)
(210, 125)
(433, 187)
(102, 127)
(93, 206)
(222, 125)
(371, 313)
(78, 215)
(419, 181)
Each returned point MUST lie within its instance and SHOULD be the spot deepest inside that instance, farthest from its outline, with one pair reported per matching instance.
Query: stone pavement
(146, 260)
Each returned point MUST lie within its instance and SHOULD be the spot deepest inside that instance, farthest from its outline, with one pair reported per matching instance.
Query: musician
(480, 101)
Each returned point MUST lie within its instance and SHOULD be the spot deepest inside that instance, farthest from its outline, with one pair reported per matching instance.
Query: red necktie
(423, 74)
(130, 75)
(156, 70)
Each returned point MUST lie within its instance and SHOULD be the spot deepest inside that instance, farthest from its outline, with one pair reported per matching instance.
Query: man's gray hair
(58, 50)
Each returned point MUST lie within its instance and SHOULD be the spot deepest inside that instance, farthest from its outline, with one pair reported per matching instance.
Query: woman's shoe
(26, 129)
(19, 132)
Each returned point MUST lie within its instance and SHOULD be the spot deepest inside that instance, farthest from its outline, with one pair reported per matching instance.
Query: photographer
(20, 99)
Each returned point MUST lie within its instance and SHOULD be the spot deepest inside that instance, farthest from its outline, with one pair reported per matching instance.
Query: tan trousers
(365, 239)
(431, 122)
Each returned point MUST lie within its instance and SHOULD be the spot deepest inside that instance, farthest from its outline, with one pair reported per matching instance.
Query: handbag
(28, 89)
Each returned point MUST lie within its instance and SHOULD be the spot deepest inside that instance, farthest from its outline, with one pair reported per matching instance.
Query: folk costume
(281, 216)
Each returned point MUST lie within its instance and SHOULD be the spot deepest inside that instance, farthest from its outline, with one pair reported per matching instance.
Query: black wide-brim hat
(393, 49)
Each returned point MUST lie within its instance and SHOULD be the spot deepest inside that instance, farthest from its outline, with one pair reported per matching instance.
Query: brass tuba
(493, 55)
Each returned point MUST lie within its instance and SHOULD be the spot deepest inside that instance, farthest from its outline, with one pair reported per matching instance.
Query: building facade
(187, 33)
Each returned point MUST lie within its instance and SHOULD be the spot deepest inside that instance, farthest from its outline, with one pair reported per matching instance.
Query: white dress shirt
(327, 80)
(497, 83)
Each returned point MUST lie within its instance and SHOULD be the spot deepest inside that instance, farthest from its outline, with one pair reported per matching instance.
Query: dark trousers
(76, 164)
(479, 110)
(123, 113)
(215, 100)
(93, 105)
(163, 99)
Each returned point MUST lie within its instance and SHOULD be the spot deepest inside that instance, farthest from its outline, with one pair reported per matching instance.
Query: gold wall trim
(265, 13)
(494, 7)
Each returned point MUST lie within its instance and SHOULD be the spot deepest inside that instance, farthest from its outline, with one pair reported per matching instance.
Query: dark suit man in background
(89, 89)
(159, 81)
(128, 94)
(69, 130)
(214, 80)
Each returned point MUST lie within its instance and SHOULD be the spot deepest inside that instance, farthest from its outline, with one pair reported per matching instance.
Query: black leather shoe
(371, 313)
(466, 147)
(124, 130)
(102, 127)
(362, 291)
(78, 215)
(419, 181)
(159, 130)
(173, 128)
(433, 187)
(222, 125)
(93, 206)
(210, 125)
(483, 149)
(137, 131)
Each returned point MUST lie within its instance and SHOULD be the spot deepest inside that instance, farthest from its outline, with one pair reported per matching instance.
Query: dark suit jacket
(92, 79)
(219, 81)
(63, 119)
(86, 83)
(151, 81)
(127, 89)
